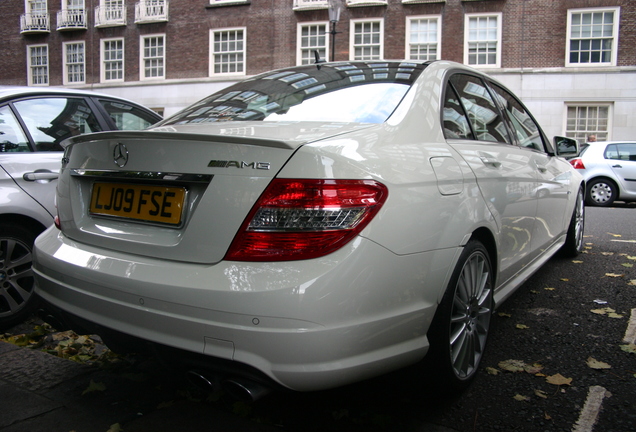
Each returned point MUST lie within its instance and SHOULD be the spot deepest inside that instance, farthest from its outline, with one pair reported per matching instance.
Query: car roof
(11, 92)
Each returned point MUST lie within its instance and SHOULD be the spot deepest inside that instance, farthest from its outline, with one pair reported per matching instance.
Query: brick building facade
(572, 61)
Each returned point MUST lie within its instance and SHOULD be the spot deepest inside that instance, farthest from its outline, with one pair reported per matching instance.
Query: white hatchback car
(33, 123)
(312, 226)
(609, 169)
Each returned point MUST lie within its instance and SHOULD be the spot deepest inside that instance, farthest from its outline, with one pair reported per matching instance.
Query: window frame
(67, 74)
(143, 58)
(408, 44)
(498, 41)
(299, 37)
(352, 35)
(213, 53)
(615, 34)
(31, 67)
(102, 60)
(587, 132)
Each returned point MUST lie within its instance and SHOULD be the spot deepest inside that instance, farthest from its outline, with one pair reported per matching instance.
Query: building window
(74, 63)
(112, 60)
(592, 37)
(366, 40)
(228, 51)
(423, 36)
(153, 57)
(585, 120)
(38, 59)
(482, 40)
(312, 37)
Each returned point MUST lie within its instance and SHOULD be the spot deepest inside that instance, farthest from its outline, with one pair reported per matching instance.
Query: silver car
(33, 123)
(609, 168)
(313, 226)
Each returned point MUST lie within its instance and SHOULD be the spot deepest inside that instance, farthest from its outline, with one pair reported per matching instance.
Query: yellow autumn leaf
(614, 275)
(628, 265)
(115, 428)
(577, 262)
(492, 371)
(558, 379)
(522, 326)
(615, 235)
(541, 394)
(504, 315)
(595, 364)
(549, 289)
(94, 386)
(565, 280)
(633, 258)
(632, 282)
(614, 315)
(629, 348)
(607, 253)
(521, 398)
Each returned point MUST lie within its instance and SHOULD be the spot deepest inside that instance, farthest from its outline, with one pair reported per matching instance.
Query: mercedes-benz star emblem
(120, 155)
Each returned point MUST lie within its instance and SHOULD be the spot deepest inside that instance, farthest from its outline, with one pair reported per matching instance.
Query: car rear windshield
(343, 92)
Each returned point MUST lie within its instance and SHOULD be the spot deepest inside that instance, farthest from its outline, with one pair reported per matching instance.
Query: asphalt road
(557, 360)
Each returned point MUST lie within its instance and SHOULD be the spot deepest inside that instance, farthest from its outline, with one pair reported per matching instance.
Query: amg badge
(239, 164)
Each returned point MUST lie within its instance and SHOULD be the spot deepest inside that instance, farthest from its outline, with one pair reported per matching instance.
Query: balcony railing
(310, 4)
(110, 16)
(71, 19)
(151, 11)
(356, 3)
(35, 23)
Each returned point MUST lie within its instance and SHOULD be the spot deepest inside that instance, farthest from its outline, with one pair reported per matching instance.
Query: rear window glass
(343, 92)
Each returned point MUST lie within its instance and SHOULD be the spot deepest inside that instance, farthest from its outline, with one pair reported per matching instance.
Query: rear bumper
(306, 325)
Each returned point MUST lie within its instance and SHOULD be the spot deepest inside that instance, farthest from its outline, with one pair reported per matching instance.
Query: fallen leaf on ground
(492, 371)
(595, 364)
(541, 394)
(632, 282)
(603, 311)
(549, 289)
(630, 348)
(93, 387)
(577, 262)
(615, 235)
(504, 315)
(615, 275)
(628, 265)
(607, 253)
(558, 379)
(521, 398)
(519, 366)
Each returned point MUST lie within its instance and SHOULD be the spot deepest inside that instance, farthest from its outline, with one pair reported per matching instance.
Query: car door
(44, 122)
(506, 174)
(552, 173)
(622, 160)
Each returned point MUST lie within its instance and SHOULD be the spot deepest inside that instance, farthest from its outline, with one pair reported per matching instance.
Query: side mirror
(566, 147)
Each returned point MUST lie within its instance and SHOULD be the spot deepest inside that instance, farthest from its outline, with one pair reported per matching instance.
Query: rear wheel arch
(24, 221)
(487, 239)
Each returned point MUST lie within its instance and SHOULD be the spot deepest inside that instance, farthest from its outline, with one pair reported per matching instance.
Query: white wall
(546, 93)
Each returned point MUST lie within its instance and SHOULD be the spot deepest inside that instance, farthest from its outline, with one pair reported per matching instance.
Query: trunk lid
(176, 192)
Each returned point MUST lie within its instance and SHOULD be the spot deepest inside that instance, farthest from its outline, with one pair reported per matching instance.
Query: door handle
(40, 175)
(617, 166)
(490, 161)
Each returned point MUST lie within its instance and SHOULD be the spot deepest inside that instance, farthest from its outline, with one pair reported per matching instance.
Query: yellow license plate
(141, 202)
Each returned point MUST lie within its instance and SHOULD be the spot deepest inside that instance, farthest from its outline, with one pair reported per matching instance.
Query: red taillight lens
(577, 163)
(303, 219)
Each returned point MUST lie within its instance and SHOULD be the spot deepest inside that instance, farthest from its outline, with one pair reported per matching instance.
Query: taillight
(577, 163)
(307, 218)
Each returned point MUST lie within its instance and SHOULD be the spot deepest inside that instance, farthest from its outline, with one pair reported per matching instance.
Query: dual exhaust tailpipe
(239, 388)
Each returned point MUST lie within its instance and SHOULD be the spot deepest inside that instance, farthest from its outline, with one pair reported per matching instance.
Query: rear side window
(624, 152)
(53, 119)
(126, 116)
(483, 114)
(12, 138)
(527, 131)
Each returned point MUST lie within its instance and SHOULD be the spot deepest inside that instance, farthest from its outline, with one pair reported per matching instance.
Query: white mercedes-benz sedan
(313, 226)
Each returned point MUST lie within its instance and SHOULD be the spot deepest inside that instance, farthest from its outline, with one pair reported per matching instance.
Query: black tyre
(461, 324)
(601, 192)
(16, 277)
(574, 240)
